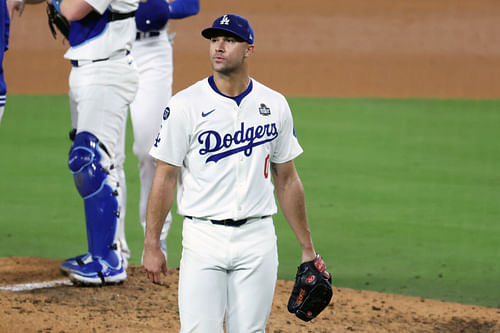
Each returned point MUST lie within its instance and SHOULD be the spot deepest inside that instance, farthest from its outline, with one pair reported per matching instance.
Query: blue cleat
(71, 264)
(97, 273)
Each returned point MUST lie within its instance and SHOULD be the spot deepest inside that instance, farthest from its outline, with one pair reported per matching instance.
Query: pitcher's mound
(140, 306)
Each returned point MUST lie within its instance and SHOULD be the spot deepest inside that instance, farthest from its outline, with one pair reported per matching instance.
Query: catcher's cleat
(98, 273)
(71, 264)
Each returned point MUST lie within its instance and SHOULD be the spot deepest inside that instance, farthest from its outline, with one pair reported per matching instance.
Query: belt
(142, 35)
(112, 16)
(80, 63)
(116, 16)
(231, 222)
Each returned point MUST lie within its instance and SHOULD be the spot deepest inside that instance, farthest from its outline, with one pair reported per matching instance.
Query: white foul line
(37, 285)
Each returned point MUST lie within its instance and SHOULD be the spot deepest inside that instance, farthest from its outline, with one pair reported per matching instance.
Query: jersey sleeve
(99, 5)
(173, 140)
(183, 8)
(287, 146)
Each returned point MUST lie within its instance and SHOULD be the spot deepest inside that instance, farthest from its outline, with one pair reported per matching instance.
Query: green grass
(403, 196)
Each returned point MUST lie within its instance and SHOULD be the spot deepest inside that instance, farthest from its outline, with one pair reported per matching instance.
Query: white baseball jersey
(117, 36)
(225, 149)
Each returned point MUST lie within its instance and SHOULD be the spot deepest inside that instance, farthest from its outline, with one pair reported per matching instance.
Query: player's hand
(15, 6)
(154, 264)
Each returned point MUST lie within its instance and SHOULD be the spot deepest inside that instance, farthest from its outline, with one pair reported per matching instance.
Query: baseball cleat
(98, 273)
(70, 264)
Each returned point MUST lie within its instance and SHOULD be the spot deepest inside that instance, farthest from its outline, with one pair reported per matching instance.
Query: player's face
(227, 54)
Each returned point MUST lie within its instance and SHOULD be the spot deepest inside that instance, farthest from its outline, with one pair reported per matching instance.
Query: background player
(103, 82)
(152, 51)
(7, 10)
(4, 46)
(224, 136)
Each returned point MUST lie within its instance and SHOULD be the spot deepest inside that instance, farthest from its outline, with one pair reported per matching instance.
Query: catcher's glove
(312, 290)
(57, 20)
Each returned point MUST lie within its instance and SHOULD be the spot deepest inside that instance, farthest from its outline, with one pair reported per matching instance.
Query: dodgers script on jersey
(224, 143)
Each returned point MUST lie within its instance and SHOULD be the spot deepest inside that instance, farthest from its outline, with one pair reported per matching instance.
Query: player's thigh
(102, 97)
(251, 285)
(155, 89)
(202, 283)
(146, 115)
(120, 146)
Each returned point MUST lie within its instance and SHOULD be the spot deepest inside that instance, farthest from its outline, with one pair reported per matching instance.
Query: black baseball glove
(312, 290)
(57, 20)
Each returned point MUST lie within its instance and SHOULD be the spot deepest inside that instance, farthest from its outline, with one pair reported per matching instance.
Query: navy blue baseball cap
(233, 24)
(151, 15)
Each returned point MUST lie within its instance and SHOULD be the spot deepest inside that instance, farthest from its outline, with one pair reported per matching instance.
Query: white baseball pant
(227, 273)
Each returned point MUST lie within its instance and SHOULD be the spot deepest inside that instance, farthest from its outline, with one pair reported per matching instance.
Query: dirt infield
(140, 306)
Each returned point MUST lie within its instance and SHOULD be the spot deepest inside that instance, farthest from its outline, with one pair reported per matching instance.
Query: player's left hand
(312, 290)
(154, 264)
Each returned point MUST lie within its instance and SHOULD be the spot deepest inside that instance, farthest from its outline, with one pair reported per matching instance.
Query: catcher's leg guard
(92, 172)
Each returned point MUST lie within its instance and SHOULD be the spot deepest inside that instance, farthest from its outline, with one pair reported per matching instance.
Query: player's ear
(250, 50)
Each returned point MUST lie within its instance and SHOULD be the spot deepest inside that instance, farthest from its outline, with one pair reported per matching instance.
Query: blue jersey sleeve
(183, 8)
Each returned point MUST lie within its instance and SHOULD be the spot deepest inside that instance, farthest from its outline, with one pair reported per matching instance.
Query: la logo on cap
(224, 20)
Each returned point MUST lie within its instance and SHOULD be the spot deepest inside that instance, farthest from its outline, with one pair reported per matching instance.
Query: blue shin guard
(91, 168)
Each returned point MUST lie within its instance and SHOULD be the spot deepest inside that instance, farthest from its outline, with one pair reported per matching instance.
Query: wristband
(57, 5)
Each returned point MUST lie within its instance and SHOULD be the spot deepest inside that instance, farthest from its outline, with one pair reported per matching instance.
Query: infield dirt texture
(376, 48)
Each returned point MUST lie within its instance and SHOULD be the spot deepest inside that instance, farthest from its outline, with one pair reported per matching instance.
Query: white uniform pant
(227, 273)
(100, 95)
(153, 56)
(2, 108)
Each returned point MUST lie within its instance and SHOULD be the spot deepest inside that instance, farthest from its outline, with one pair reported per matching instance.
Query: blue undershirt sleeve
(183, 8)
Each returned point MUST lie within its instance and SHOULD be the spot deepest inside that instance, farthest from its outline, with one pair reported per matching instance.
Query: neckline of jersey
(238, 98)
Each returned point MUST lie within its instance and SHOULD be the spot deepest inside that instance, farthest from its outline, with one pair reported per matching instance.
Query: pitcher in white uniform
(221, 141)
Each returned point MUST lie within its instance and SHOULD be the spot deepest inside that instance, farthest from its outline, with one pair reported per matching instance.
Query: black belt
(142, 35)
(231, 222)
(112, 16)
(79, 63)
(116, 16)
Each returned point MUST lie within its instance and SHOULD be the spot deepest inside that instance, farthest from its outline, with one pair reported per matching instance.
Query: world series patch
(264, 110)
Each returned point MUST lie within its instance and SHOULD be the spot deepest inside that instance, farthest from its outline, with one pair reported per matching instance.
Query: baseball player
(221, 141)
(7, 10)
(103, 82)
(152, 51)
(4, 46)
